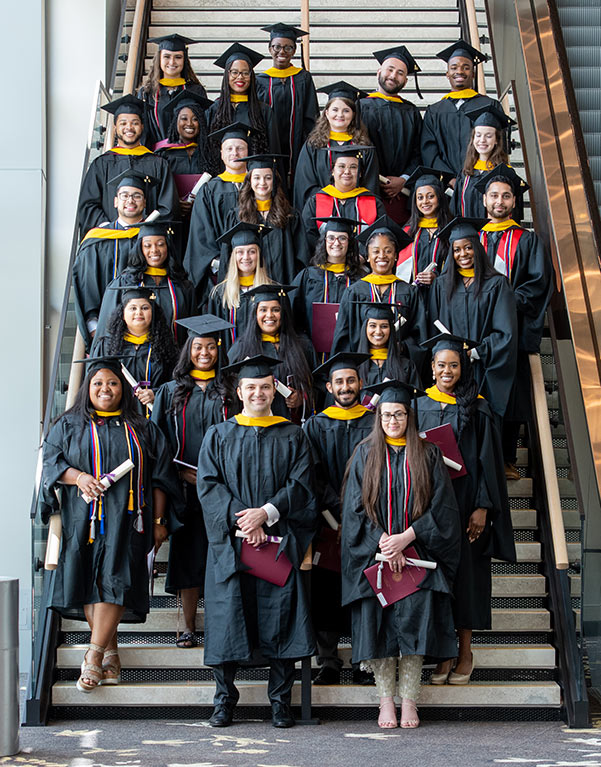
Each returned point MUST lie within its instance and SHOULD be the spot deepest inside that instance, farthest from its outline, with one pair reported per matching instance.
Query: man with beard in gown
(255, 469)
(334, 434)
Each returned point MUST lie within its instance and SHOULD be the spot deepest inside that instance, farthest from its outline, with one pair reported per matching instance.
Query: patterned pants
(385, 673)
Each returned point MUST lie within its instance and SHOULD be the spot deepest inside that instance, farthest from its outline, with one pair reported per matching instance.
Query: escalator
(529, 665)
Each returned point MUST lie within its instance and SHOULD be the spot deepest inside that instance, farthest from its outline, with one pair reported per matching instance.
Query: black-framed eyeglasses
(277, 48)
(398, 417)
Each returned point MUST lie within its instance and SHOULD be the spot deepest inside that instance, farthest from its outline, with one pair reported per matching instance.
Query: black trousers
(279, 686)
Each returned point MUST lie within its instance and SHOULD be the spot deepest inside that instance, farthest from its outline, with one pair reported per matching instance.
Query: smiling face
(392, 76)
(188, 126)
(203, 353)
(256, 395)
(485, 140)
(128, 130)
(378, 333)
(138, 316)
(337, 247)
(339, 115)
(446, 367)
(344, 386)
(393, 417)
(282, 49)
(130, 203)
(346, 173)
(154, 249)
(247, 258)
(381, 254)
(499, 200)
(426, 201)
(105, 391)
(460, 73)
(172, 63)
(463, 253)
(233, 149)
(239, 76)
(269, 317)
(261, 182)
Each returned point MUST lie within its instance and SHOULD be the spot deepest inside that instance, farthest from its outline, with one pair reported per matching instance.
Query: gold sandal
(90, 671)
(111, 672)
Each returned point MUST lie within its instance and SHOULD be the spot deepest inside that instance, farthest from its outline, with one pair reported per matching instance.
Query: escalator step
(585, 76)
(582, 35)
(580, 16)
(583, 55)
(588, 98)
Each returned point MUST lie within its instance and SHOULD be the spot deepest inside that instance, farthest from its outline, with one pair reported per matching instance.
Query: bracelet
(77, 481)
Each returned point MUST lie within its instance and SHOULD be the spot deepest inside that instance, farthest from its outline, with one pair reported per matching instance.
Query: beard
(387, 89)
(353, 401)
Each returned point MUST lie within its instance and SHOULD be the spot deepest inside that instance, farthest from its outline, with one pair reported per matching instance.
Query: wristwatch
(160, 521)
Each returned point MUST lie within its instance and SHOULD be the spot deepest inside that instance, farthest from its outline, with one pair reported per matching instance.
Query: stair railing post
(305, 22)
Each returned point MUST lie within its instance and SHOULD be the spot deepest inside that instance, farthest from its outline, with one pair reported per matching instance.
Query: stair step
(575, 585)
(260, 17)
(255, 37)
(526, 519)
(174, 694)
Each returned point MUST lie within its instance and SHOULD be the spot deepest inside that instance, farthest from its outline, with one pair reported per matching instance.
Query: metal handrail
(306, 39)
(467, 10)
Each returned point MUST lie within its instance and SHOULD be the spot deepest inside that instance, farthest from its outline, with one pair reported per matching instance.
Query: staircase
(515, 674)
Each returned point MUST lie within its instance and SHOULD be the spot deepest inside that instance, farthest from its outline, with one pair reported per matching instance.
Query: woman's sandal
(186, 640)
(90, 671)
(111, 672)
(387, 724)
(413, 723)
(442, 678)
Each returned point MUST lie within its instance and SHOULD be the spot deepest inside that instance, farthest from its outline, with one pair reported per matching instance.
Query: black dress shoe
(363, 678)
(327, 675)
(222, 715)
(281, 716)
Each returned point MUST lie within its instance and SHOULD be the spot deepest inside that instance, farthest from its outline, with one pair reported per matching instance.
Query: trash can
(9, 666)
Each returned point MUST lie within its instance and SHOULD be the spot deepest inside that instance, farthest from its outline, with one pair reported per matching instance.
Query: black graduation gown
(241, 467)
(241, 114)
(428, 249)
(208, 222)
(293, 101)
(422, 623)
(314, 171)
(347, 208)
(395, 130)
(281, 372)
(311, 288)
(157, 120)
(181, 163)
(99, 260)
(531, 280)
(467, 200)
(350, 316)
(184, 432)
(176, 307)
(489, 318)
(96, 197)
(238, 317)
(446, 132)
(113, 567)
(284, 251)
(483, 487)
(408, 374)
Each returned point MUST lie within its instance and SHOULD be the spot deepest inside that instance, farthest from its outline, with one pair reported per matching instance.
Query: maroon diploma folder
(391, 587)
(327, 550)
(444, 437)
(324, 324)
(264, 565)
(185, 183)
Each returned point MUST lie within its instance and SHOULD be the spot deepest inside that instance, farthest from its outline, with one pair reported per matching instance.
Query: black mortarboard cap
(460, 227)
(157, 228)
(347, 150)
(461, 48)
(490, 116)
(284, 30)
(272, 292)
(133, 177)
(172, 42)
(340, 361)
(376, 310)
(342, 90)
(244, 233)
(111, 362)
(234, 130)
(400, 52)
(255, 161)
(204, 325)
(449, 341)
(259, 366)
(507, 174)
(185, 99)
(129, 105)
(129, 292)
(386, 225)
(338, 224)
(395, 391)
(237, 52)
(424, 176)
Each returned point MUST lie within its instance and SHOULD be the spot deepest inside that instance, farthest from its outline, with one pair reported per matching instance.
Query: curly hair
(161, 338)
(151, 84)
(483, 269)
(137, 265)
(184, 383)
(320, 135)
(280, 212)
(397, 352)
(201, 150)
(466, 390)
(498, 155)
(354, 267)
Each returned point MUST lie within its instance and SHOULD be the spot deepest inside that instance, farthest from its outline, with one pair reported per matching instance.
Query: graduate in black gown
(471, 300)
(334, 434)
(96, 198)
(262, 200)
(387, 355)
(290, 92)
(170, 74)
(520, 255)
(184, 408)
(270, 331)
(245, 270)
(104, 251)
(102, 575)
(208, 220)
(481, 493)
(153, 264)
(395, 126)
(254, 470)
(345, 196)
(382, 241)
(446, 128)
(423, 259)
(486, 150)
(398, 494)
(335, 266)
(338, 125)
(137, 333)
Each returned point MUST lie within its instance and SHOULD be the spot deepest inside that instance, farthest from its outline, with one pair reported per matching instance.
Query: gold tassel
(130, 504)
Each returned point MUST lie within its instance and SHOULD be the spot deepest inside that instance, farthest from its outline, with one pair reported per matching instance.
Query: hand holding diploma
(393, 546)
(250, 522)
(90, 487)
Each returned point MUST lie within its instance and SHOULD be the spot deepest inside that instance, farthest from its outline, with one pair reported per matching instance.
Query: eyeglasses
(238, 73)
(286, 48)
(341, 238)
(125, 196)
(398, 417)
